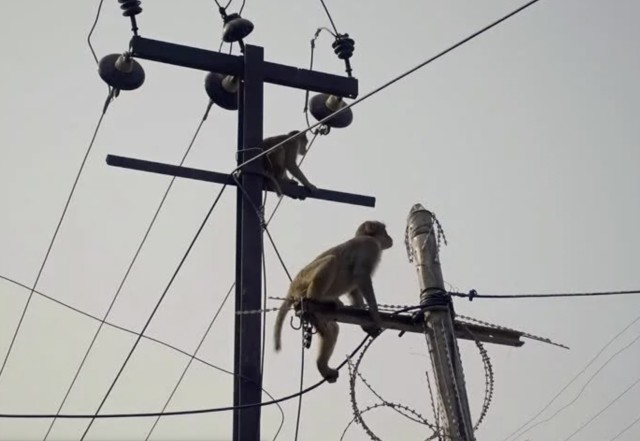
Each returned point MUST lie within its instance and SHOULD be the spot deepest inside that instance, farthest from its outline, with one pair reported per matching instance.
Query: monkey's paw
(372, 330)
(331, 375)
(309, 190)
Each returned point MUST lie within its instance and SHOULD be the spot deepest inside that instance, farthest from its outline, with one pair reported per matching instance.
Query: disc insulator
(121, 72)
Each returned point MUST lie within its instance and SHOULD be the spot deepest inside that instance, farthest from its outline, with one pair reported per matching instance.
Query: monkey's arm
(358, 301)
(365, 286)
(295, 171)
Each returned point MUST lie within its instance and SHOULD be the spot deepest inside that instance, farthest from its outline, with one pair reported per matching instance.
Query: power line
(188, 365)
(633, 423)
(93, 27)
(264, 325)
(295, 438)
(389, 83)
(546, 406)
(473, 295)
(328, 117)
(583, 387)
(333, 25)
(129, 331)
(98, 319)
(590, 420)
(259, 213)
(53, 239)
(183, 412)
(155, 309)
(128, 271)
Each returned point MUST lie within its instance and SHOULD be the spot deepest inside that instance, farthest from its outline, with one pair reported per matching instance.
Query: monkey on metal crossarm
(283, 159)
(346, 268)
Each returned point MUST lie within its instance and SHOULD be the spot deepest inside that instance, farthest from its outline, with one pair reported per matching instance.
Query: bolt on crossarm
(439, 325)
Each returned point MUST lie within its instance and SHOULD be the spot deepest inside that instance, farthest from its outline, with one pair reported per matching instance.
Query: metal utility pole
(439, 324)
(436, 320)
(249, 72)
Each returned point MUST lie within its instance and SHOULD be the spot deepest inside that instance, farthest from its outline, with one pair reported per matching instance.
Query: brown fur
(344, 269)
(283, 159)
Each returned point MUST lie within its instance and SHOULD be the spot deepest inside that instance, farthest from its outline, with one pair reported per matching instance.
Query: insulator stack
(344, 46)
(130, 8)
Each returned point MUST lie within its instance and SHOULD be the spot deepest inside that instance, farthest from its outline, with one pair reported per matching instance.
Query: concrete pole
(438, 321)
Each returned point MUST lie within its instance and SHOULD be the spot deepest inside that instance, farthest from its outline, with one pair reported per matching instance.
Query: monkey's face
(302, 144)
(377, 230)
(385, 240)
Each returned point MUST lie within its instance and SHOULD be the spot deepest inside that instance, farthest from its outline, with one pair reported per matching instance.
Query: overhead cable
(388, 83)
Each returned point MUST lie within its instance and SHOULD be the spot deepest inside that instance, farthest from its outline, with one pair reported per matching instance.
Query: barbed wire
(435, 409)
(489, 380)
(357, 413)
(505, 328)
(401, 409)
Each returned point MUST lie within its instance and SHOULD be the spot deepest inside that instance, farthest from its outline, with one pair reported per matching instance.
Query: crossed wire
(253, 158)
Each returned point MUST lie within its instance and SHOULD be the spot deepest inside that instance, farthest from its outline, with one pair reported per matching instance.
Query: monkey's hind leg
(328, 332)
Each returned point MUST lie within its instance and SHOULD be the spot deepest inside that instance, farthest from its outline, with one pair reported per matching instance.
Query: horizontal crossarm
(211, 61)
(405, 322)
(291, 190)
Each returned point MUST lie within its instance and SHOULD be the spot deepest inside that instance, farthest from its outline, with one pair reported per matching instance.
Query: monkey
(283, 159)
(346, 268)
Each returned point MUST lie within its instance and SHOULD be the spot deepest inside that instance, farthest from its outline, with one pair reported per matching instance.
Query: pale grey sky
(523, 142)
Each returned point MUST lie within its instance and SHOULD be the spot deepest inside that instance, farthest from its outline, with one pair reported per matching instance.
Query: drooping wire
(306, 94)
(193, 357)
(591, 419)
(575, 377)
(333, 25)
(53, 239)
(264, 327)
(155, 309)
(299, 412)
(260, 213)
(366, 96)
(275, 248)
(130, 267)
(146, 337)
(389, 83)
(183, 412)
(93, 27)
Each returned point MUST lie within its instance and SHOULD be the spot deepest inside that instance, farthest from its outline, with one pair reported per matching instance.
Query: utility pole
(436, 320)
(439, 325)
(236, 83)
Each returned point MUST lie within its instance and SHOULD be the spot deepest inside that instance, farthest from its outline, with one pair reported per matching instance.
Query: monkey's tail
(282, 313)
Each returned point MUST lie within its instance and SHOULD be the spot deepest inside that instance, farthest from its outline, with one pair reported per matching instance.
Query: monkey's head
(302, 141)
(378, 231)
